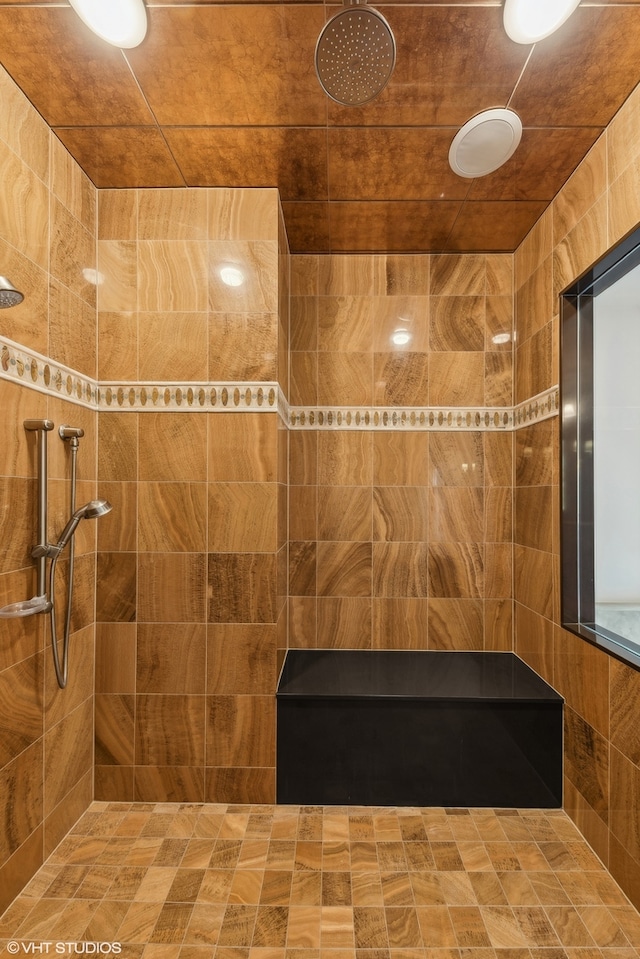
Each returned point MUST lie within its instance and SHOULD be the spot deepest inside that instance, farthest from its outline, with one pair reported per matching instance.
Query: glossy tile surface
(250, 112)
(346, 881)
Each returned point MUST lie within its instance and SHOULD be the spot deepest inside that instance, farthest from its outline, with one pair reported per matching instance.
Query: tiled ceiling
(225, 94)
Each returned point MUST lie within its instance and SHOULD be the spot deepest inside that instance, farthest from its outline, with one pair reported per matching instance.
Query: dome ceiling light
(527, 21)
(485, 142)
(122, 23)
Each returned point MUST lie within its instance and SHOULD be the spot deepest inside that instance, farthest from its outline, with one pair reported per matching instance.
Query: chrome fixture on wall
(43, 550)
(9, 296)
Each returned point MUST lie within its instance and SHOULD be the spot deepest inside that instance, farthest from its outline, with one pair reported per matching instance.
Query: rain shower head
(91, 510)
(355, 54)
(9, 296)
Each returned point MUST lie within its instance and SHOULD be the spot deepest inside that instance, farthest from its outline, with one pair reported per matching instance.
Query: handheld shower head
(91, 510)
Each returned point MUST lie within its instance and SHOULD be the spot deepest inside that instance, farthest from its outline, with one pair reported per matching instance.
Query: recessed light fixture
(232, 276)
(500, 338)
(485, 142)
(527, 21)
(122, 23)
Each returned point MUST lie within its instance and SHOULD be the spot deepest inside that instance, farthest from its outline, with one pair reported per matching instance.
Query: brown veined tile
(172, 447)
(493, 225)
(244, 214)
(170, 658)
(241, 448)
(232, 79)
(304, 927)
(401, 323)
(532, 512)
(456, 570)
(399, 226)
(173, 275)
(116, 157)
(69, 737)
(369, 163)
(345, 379)
(458, 275)
(113, 783)
(172, 346)
(21, 709)
(400, 459)
(534, 641)
(71, 322)
(240, 785)
(114, 730)
(242, 517)
(344, 622)
(344, 458)
(533, 580)
(498, 379)
(581, 675)
(115, 658)
(241, 659)
(171, 587)
(242, 346)
(436, 927)
(23, 129)
(540, 165)
(456, 460)
(241, 731)
(242, 588)
(400, 569)
(401, 379)
(170, 517)
(499, 322)
(456, 515)
(304, 379)
(400, 623)
(456, 323)
(400, 514)
(498, 571)
(562, 63)
(587, 762)
(344, 513)
(22, 784)
(293, 159)
(307, 224)
(345, 323)
(467, 614)
(72, 253)
(344, 569)
(116, 589)
(456, 379)
(169, 730)
(97, 85)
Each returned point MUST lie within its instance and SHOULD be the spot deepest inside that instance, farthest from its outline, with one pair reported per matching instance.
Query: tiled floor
(285, 882)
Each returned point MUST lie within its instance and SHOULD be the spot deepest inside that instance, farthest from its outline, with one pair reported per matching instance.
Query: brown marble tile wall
(401, 540)
(192, 567)
(595, 209)
(47, 239)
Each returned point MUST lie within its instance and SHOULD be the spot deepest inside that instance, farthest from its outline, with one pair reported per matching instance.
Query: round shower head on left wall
(9, 296)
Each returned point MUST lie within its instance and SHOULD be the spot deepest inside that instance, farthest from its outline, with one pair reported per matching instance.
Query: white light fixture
(485, 142)
(232, 276)
(122, 23)
(500, 338)
(527, 21)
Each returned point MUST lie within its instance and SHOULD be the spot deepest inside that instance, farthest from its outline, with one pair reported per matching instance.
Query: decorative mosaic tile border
(40, 373)
(191, 397)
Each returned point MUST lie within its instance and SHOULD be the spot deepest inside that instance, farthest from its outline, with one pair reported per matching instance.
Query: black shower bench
(423, 728)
